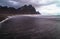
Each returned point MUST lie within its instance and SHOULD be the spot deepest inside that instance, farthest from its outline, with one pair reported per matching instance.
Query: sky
(45, 7)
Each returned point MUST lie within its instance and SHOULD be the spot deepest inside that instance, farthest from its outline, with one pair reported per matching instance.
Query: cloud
(13, 2)
(8, 3)
(58, 3)
(18, 3)
(36, 3)
(44, 6)
(49, 10)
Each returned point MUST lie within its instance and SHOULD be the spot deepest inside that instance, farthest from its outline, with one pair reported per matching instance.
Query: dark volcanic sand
(32, 27)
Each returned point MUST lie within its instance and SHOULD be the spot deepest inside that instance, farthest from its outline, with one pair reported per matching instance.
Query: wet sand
(45, 24)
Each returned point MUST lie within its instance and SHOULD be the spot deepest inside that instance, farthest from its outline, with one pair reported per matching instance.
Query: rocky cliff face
(22, 10)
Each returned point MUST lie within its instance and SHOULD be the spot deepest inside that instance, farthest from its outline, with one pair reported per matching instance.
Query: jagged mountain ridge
(22, 10)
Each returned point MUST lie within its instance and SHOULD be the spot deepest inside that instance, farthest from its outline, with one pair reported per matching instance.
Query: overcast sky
(45, 7)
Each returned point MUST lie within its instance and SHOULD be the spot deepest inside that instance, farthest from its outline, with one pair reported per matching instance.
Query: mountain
(22, 10)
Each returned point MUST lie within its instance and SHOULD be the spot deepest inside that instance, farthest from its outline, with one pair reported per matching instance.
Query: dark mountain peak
(30, 6)
(0, 6)
(26, 9)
